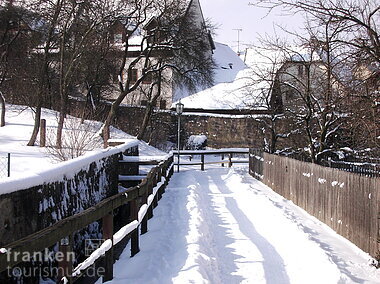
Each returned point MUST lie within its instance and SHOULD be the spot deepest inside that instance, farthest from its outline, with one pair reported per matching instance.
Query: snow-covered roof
(228, 64)
(242, 93)
(233, 87)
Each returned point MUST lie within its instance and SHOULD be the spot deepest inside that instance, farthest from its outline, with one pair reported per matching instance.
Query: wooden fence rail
(141, 199)
(229, 153)
(349, 203)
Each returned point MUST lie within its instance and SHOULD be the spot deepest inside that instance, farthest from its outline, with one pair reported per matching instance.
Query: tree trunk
(61, 121)
(149, 107)
(2, 111)
(107, 123)
(147, 115)
(36, 128)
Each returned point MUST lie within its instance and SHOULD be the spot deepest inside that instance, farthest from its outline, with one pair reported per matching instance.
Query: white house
(136, 44)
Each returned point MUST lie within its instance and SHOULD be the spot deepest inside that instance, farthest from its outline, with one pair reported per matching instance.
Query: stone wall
(222, 131)
(24, 212)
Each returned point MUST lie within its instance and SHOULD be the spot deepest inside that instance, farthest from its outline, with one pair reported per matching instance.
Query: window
(300, 70)
(148, 79)
(144, 102)
(132, 75)
(162, 104)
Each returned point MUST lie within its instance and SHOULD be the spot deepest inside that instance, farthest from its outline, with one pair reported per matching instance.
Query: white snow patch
(93, 257)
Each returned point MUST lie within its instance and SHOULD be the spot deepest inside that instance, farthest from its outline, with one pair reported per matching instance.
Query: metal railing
(225, 154)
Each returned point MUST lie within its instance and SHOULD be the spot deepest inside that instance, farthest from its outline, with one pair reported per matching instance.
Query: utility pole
(238, 41)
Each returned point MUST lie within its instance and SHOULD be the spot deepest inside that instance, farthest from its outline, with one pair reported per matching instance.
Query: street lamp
(179, 111)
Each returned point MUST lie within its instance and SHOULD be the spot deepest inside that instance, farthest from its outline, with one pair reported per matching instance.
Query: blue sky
(237, 14)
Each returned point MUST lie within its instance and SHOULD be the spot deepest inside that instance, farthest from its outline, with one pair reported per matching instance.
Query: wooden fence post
(155, 182)
(135, 248)
(159, 178)
(229, 160)
(144, 222)
(43, 133)
(150, 191)
(202, 162)
(107, 225)
(222, 160)
(65, 260)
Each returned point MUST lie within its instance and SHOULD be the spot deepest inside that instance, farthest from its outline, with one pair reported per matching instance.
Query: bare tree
(49, 14)
(14, 38)
(358, 20)
(77, 139)
(152, 94)
(174, 42)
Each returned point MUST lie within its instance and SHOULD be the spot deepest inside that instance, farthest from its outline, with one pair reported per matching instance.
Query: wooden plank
(131, 178)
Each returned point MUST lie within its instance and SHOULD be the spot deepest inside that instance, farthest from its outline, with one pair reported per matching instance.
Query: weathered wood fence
(349, 203)
(141, 200)
(223, 153)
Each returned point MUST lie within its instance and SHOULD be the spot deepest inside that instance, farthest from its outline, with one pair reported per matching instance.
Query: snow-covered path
(222, 226)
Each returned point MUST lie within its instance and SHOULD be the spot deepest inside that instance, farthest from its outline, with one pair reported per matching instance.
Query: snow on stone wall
(65, 190)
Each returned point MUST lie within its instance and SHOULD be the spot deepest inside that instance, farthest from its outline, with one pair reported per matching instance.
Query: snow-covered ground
(223, 226)
(29, 160)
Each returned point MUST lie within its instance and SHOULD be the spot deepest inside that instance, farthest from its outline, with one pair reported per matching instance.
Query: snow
(124, 231)
(196, 141)
(233, 87)
(107, 245)
(239, 94)
(223, 226)
(228, 64)
(32, 166)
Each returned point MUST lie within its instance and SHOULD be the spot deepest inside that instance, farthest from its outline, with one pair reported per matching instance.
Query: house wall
(168, 88)
(137, 97)
(294, 76)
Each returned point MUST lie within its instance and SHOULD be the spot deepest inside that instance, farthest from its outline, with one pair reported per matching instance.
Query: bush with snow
(196, 142)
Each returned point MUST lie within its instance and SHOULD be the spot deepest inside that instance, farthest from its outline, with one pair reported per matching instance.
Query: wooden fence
(141, 200)
(349, 203)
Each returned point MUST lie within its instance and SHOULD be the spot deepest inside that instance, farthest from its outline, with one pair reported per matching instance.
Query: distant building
(169, 89)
